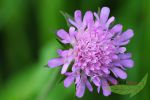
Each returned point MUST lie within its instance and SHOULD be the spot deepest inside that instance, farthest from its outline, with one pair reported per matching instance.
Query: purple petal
(105, 88)
(117, 63)
(62, 34)
(59, 51)
(96, 81)
(98, 89)
(55, 62)
(120, 43)
(65, 41)
(74, 68)
(70, 58)
(80, 90)
(117, 28)
(120, 73)
(73, 23)
(122, 50)
(105, 70)
(69, 74)
(125, 56)
(123, 43)
(89, 86)
(104, 15)
(64, 53)
(72, 31)
(77, 79)
(110, 20)
(78, 16)
(68, 81)
(127, 63)
(96, 16)
(115, 57)
(112, 80)
(64, 68)
(126, 35)
(88, 18)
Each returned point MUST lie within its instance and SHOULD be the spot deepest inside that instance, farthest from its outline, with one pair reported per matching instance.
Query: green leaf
(121, 89)
(140, 86)
(130, 89)
(66, 16)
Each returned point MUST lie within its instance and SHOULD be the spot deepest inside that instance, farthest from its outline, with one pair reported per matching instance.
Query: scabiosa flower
(98, 53)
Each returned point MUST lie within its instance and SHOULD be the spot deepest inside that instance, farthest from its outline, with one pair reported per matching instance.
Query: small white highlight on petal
(64, 68)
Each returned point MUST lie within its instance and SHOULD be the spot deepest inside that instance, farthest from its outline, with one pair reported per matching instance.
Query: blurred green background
(27, 42)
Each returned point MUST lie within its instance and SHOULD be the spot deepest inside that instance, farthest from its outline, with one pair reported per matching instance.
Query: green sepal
(66, 16)
(65, 46)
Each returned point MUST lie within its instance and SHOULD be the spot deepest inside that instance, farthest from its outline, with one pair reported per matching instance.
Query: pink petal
(68, 81)
(70, 58)
(110, 20)
(63, 53)
(55, 62)
(63, 35)
(88, 18)
(104, 15)
(78, 16)
(71, 31)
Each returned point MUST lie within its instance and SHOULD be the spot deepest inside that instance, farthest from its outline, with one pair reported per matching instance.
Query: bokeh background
(27, 42)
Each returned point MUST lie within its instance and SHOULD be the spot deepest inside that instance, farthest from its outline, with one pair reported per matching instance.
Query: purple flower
(98, 53)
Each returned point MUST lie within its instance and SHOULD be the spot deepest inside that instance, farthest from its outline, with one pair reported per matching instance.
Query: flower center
(94, 51)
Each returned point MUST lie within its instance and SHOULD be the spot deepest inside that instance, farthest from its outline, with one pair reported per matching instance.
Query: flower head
(98, 53)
